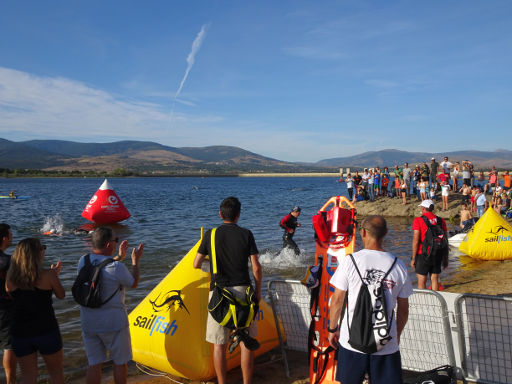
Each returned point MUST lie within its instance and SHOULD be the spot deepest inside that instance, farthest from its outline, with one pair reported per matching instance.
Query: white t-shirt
(407, 173)
(372, 265)
(447, 166)
(350, 182)
(480, 200)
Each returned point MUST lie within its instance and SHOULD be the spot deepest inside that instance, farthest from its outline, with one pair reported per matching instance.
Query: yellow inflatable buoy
(489, 239)
(168, 327)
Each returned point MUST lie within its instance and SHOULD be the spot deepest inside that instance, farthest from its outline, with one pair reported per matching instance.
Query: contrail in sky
(191, 58)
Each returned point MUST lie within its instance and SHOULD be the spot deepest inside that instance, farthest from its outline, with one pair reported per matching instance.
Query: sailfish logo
(499, 229)
(168, 299)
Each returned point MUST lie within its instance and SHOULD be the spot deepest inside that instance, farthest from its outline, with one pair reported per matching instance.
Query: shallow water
(167, 214)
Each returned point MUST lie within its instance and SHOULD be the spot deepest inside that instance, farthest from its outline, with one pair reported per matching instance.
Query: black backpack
(435, 243)
(365, 335)
(86, 289)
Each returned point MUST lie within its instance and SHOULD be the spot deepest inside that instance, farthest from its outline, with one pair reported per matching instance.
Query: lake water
(167, 215)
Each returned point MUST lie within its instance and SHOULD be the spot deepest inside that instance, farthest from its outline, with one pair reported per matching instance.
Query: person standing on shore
(234, 248)
(289, 223)
(357, 181)
(350, 186)
(106, 328)
(447, 166)
(9, 358)
(406, 171)
(481, 202)
(466, 173)
(434, 168)
(369, 264)
(427, 264)
(34, 327)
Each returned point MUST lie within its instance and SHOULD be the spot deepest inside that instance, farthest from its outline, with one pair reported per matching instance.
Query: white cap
(426, 203)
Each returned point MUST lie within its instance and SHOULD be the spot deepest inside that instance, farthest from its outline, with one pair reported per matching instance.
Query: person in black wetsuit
(289, 223)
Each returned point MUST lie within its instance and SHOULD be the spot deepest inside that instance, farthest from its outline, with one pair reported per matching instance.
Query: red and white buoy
(105, 207)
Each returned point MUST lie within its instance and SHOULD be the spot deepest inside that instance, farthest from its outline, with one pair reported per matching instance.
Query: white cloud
(44, 107)
(35, 107)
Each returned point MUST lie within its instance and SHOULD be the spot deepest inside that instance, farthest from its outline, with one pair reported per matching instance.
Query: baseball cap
(426, 203)
(296, 209)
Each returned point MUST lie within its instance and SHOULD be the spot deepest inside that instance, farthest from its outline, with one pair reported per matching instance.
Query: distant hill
(146, 157)
(140, 157)
(20, 155)
(390, 157)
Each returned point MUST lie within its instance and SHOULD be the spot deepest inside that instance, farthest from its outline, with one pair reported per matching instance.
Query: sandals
(242, 335)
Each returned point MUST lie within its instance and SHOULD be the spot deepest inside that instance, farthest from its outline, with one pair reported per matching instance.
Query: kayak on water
(15, 197)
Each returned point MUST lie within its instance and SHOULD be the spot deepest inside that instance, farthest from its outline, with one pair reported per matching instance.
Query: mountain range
(154, 158)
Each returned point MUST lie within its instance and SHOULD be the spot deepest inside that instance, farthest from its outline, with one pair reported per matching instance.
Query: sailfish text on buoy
(105, 207)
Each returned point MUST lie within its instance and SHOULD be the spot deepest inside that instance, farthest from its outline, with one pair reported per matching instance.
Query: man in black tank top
(234, 247)
(9, 359)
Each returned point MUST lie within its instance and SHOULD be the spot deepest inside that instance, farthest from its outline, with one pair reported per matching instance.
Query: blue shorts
(47, 344)
(382, 369)
(118, 343)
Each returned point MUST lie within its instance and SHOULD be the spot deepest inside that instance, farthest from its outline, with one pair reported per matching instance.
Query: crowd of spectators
(479, 190)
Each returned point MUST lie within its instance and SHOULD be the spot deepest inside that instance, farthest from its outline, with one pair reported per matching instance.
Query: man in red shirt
(422, 265)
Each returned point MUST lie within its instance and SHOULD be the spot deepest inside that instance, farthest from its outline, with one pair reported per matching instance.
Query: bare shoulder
(46, 278)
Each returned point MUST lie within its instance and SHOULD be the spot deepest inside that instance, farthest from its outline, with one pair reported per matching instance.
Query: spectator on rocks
(445, 194)
(493, 181)
(357, 181)
(434, 168)
(406, 171)
(350, 186)
(446, 165)
(507, 179)
(466, 173)
(481, 202)
(455, 176)
(466, 192)
(371, 180)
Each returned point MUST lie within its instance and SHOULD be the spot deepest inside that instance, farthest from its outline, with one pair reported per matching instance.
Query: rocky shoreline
(392, 207)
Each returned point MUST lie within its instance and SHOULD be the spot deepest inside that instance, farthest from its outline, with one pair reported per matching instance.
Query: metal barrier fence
(426, 341)
(485, 337)
(480, 333)
(290, 303)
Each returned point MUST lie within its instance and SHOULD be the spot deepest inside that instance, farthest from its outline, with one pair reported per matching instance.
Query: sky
(290, 79)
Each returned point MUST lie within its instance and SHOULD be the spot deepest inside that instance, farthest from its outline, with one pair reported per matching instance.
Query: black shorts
(5, 324)
(47, 344)
(424, 267)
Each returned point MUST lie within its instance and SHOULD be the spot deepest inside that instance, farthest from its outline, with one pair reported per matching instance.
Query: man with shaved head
(369, 265)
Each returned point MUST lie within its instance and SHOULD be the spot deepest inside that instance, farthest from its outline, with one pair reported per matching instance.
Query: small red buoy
(105, 207)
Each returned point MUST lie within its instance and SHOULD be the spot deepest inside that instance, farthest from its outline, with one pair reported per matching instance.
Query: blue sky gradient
(292, 80)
